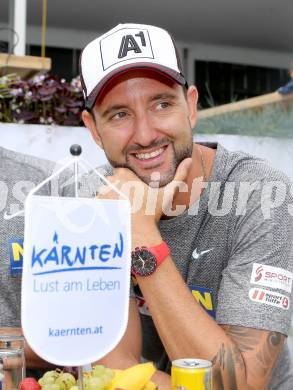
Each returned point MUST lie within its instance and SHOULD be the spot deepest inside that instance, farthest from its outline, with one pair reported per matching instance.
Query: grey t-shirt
(18, 175)
(224, 246)
(216, 243)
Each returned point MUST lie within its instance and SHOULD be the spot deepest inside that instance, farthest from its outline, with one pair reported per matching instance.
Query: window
(3, 47)
(64, 61)
(220, 83)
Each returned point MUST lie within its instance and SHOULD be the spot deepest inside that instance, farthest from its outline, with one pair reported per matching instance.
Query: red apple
(29, 384)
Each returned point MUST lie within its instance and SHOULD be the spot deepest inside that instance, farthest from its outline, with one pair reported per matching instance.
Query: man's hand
(148, 202)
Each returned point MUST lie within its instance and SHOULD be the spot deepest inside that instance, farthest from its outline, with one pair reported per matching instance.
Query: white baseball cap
(127, 46)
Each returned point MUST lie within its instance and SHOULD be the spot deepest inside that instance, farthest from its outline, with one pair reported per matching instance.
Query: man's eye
(163, 105)
(119, 115)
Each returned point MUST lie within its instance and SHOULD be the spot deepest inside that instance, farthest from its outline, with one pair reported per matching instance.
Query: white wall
(50, 142)
(278, 151)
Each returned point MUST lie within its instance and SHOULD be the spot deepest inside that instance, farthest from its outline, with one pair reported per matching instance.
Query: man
(19, 174)
(288, 88)
(221, 286)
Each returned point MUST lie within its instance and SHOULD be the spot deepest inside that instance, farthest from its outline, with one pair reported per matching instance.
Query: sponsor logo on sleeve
(274, 277)
(15, 250)
(204, 297)
(271, 298)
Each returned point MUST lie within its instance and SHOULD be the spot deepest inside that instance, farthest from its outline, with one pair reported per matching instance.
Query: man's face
(143, 122)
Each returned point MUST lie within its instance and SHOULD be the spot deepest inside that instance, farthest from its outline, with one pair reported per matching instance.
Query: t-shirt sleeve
(256, 285)
(87, 186)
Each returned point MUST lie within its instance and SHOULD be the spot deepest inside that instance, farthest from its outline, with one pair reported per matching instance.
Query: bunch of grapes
(57, 380)
(96, 379)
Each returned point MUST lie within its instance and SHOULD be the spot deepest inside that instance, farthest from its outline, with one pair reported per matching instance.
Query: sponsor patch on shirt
(274, 277)
(204, 297)
(267, 297)
(15, 251)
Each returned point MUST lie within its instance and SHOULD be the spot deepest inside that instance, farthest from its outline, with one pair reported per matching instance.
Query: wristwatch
(144, 260)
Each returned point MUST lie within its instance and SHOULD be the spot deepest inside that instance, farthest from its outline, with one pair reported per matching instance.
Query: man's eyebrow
(162, 96)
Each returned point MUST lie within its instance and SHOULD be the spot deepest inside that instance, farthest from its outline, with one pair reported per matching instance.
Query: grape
(48, 380)
(95, 383)
(71, 370)
(51, 387)
(98, 370)
(108, 375)
(105, 374)
(65, 381)
(96, 379)
(54, 373)
(86, 377)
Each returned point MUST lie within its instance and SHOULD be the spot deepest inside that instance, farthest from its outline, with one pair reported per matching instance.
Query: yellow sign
(204, 297)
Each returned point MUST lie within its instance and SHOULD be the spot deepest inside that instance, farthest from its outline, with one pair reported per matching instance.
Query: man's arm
(184, 327)
(255, 353)
(128, 352)
(243, 358)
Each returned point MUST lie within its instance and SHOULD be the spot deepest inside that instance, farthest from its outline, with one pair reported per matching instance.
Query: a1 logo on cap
(125, 44)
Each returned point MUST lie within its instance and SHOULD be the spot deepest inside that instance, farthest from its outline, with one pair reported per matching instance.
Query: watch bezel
(151, 259)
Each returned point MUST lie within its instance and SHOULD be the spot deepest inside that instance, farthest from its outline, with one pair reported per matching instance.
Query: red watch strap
(161, 251)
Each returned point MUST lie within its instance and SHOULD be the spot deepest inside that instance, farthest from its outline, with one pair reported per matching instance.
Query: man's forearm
(243, 358)
(177, 316)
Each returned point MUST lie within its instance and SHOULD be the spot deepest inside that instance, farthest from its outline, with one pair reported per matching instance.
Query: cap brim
(170, 73)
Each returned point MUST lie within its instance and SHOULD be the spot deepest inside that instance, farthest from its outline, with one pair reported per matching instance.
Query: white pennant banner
(76, 277)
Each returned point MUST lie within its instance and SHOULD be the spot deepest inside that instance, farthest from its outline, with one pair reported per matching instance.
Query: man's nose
(144, 132)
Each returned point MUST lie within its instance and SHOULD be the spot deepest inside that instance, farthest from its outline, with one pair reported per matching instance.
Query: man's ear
(192, 98)
(91, 125)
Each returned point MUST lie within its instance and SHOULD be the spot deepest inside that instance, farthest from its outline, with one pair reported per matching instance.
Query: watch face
(143, 262)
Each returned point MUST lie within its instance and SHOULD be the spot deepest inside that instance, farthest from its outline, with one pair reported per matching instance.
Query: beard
(158, 179)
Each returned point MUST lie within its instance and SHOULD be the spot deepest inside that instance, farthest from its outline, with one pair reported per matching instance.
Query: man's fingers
(177, 184)
(182, 170)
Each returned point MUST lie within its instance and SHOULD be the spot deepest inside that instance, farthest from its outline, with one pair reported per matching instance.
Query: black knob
(75, 150)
